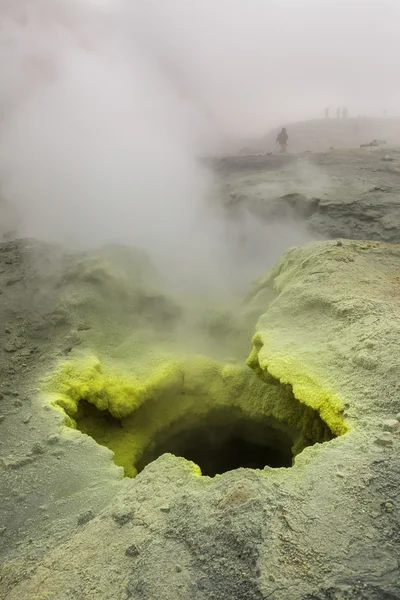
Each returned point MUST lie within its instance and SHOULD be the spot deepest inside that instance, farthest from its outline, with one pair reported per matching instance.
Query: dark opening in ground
(221, 440)
(217, 450)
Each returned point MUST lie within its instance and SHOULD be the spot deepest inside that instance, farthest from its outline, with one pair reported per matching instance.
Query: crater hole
(220, 441)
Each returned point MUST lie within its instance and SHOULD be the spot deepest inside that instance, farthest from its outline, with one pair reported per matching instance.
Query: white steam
(99, 143)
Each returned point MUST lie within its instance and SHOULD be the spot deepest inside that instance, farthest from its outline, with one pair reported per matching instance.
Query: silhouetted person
(327, 113)
(338, 111)
(282, 139)
(344, 113)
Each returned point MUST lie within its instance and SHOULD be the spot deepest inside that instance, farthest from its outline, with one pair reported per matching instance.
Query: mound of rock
(275, 481)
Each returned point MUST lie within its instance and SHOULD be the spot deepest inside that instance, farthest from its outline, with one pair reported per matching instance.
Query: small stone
(58, 319)
(132, 551)
(10, 348)
(85, 517)
(122, 516)
(14, 279)
(15, 344)
(271, 577)
(2, 418)
(53, 438)
(339, 243)
(178, 569)
(26, 352)
(388, 158)
(398, 417)
(27, 419)
(391, 425)
(366, 360)
(388, 506)
(165, 509)
(38, 449)
(18, 403)
(384, 439)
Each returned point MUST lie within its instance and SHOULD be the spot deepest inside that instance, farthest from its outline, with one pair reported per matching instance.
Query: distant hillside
(321, 134)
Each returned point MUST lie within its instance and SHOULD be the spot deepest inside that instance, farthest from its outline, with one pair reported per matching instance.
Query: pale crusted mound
(334, 329)
(328, 527)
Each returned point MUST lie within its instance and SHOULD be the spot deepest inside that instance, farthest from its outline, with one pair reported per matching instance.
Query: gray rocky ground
(338, 193)
(318, 135)
(327, 323)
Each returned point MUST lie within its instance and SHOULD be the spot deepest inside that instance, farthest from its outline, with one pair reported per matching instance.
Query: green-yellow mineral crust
(323, 358)
(127, 414)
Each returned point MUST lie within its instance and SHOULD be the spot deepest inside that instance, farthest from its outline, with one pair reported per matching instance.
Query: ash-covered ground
(319, 380)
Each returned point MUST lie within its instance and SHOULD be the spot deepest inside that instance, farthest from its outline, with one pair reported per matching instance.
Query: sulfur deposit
(160, 448)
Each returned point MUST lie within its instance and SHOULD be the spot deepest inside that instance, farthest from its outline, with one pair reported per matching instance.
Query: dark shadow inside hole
(222, 440)
(218, 448)
(93, 421)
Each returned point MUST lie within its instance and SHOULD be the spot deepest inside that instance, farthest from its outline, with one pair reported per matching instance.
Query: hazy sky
(253, 62)
(249, 64)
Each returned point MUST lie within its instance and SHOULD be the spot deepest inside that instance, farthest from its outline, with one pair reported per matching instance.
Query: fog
(106, 107)
(255, 63)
